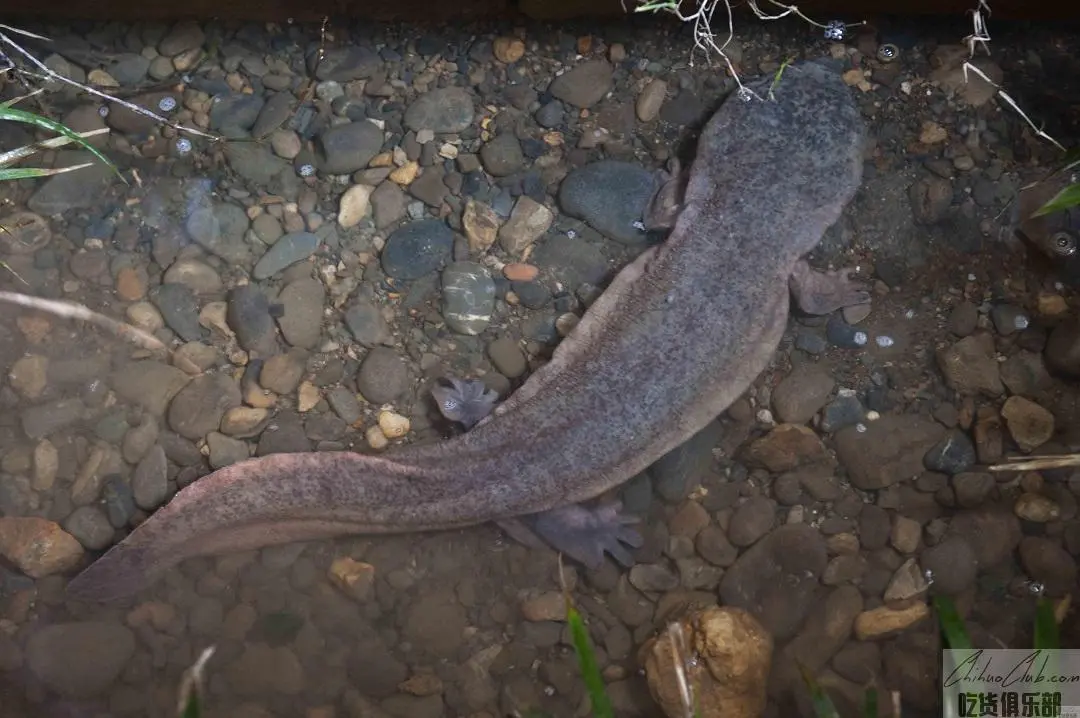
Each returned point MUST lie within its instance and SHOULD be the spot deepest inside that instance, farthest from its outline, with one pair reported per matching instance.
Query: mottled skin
(678, 336)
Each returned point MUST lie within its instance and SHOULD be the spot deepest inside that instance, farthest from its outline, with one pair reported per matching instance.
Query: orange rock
(508, 50)
(38, 547)
(130, 284)
(517, 272)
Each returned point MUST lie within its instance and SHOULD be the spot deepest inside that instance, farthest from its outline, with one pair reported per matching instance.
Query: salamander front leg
(824, 292)
(585, 534)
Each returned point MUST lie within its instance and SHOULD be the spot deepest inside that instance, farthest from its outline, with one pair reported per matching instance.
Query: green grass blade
(590, 671)
(36, 172)
(870, 703)
(956, 636)
(1067, 198)
(13, 115)
(191, 709)
(1046, 627)
(823, 705)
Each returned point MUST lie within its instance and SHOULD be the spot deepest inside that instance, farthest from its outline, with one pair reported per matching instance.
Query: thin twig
(192, 680)
(1037, 463)
(72, 310)
(86, 88)
(705, 39)
(981, 35)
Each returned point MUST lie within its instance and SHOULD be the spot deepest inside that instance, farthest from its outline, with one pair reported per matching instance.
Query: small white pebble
(375, 438)
(860, 338)
(639, 225)
(872, 415)
(765, 417)
(1020, 321)
(860, 427)
(909, 314)
(571, 233)
(1036, 587)
(971, 277)
(884, 341)
(845, 391)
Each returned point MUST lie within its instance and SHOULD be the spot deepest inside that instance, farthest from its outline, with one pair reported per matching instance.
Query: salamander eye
(1064, 243)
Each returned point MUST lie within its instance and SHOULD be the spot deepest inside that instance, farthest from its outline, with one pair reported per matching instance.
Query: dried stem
(86, 88)
(1037, 463)
(72, 310)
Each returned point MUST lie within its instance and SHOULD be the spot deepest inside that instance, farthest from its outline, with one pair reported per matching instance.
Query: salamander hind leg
(664, 206)
(586, 534)
(824, 292)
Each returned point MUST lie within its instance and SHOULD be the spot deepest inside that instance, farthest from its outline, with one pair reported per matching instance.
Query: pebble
(219, 228)
(1036, 508)
(367, 324)
(883, 622)
(282, 373)
(29, 375)
(47, 419)
(248, 315)
(392, 425)
(302, 306)
(609, 196)
(198, 408)
(354, 578)
(952, 563)
(90, 527)
(508, 50)
(802, 393)
(119, 501)
(196, 275)
(443, 111)
(1063, 349)
(354, 205)
(843, 335)
(584, 85)
(179, 307)
(528, 221)
(650, 100)
(344, 404)
(468, 297)
(287, 251)
(502, 156)
(507, 357)
(1048, 563)
(970, 366)
(150, 483)
(244, 421)
(1029, 424)
(145, 316)
(889, 450)
(46, 463)
(383, 376)
(954, 454)
(417, 249)
(843, 411)
(79, 660)
(38, 547)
